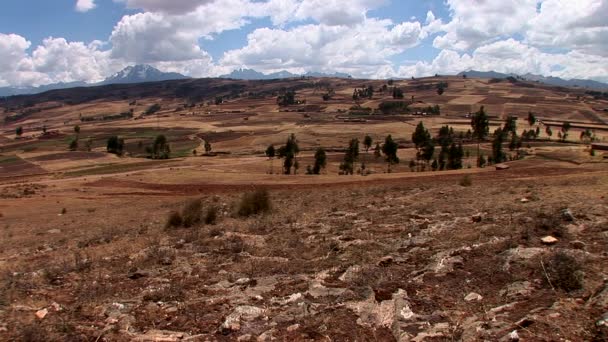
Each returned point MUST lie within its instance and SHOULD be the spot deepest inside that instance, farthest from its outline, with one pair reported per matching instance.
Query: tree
(444, 138)
(424, 144)
(289, 152)
(510, 125)
(587, 136)
(44, 129)
(389, 149)
(115, 145)
(480, 124)
(397, 93)
(456, 152)
(367, 142)
(74, 144)
(377, 151)
(19, 131)
(207, 147)
(219, 100)
(565, 128)
(350, 157)
(434, 165)
(531, 119)
(77, 129)
(320, 161)
(270, 152)
(160, 148)
(498, 156)
(549, 132)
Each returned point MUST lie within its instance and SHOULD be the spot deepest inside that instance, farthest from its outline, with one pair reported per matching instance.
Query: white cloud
(85, 5)
(56, 60)
(511, 56)
(480, 22)
(172, 7)
(360, 50)
(579, 25)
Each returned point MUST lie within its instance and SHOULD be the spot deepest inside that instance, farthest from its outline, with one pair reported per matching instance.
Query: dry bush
(254, 203)
(466, 181)
(565, 272)
(211, 215)
(174, 220)
(192, 213)
(548, 223)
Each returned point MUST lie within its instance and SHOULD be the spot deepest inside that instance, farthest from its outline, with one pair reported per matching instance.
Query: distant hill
(131, 74)
(555, 81)
(250, 74)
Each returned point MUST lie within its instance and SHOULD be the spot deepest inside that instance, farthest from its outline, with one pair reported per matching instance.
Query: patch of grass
(254, 203)
(466, 181)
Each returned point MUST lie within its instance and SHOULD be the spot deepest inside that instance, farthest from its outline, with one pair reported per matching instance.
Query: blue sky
(45, 41)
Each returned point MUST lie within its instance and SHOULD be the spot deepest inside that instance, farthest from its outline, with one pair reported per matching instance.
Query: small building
(599, 146)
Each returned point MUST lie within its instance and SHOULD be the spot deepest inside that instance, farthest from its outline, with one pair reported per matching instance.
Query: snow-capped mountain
(141, 73)
(131, 74)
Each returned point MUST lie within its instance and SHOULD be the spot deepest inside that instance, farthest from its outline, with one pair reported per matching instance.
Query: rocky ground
(504, 259)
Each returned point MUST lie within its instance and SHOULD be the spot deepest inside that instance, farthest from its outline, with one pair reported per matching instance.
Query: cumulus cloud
(55, 60)
(173, 7)
(579, 25)
(512, 56)
(518, 36)
(85, 5)
(473, 25)
(359, 50)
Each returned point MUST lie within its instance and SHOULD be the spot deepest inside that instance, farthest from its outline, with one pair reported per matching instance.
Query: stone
(473, 297)
(244, 338)
(385, 261)
(603, 322)
(42, 313)
(514, 336)
(242, 281)
(293, 327)
(500, 167)
(524, 200)
(577, 244)
(243, 312)
(54, 231)
(567, 215)
(519, 289)
(477, 218)
(549, 240)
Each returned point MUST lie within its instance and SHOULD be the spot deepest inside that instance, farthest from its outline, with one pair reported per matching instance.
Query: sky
(44, 41)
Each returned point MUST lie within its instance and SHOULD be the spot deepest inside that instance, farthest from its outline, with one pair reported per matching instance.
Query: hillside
(156, 212)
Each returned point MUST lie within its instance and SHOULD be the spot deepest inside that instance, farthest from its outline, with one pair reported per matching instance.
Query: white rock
(549, 240)
(42, 313)
(473, 297)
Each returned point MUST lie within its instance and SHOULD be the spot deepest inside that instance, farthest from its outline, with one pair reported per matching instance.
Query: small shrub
(565, 272)
(175, 220)
(466, 181)
(211, 215)
(192, 213)
(64, 211)
(254, 203)
(547, 223)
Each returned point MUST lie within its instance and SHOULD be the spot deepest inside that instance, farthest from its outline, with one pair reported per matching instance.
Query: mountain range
(250, 74)
(146, 73)
(132, 74)
(555, 81)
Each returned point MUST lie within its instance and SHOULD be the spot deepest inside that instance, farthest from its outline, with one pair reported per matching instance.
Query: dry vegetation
(218, 246)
